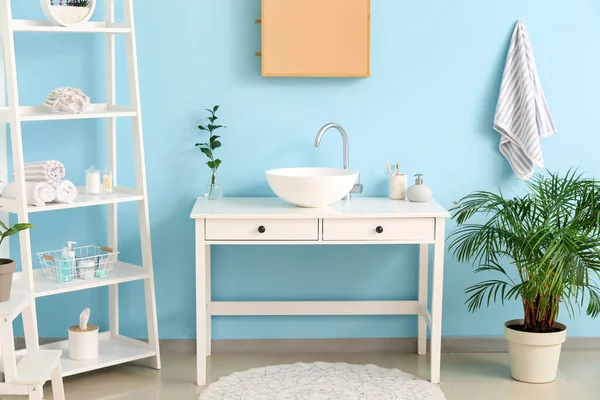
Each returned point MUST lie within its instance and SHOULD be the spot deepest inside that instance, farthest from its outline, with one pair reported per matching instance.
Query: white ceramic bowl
(311, 187)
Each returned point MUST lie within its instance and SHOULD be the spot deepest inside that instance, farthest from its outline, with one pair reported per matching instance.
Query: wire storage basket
(90, 263)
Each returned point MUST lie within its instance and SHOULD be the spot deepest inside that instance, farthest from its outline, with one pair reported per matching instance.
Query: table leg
(423, 298)
(208, 300)
(436, 300)
(200, 303)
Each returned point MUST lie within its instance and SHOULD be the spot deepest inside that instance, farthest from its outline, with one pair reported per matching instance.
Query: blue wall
(436, 73)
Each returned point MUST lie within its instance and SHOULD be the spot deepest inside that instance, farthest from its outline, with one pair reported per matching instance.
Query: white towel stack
(522, 116)
(44, 184)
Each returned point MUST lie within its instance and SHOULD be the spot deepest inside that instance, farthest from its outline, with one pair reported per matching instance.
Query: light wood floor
(464, 376)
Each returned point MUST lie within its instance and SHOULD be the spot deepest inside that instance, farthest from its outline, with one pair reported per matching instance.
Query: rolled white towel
(66, 192)
(38, 193)
(52, 183)
(50, 172)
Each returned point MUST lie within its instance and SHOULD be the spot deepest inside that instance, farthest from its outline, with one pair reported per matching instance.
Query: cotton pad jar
(92, 181)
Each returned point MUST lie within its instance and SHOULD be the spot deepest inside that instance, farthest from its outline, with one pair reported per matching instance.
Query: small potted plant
(68, 12)
(8, 266)
(550, 238)
(213, 189)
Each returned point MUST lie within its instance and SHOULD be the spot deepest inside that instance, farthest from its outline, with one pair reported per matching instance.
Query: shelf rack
(41, 113)
(114, 347)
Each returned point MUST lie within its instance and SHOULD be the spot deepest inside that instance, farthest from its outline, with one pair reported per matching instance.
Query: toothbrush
(389, 168)
(398, 169)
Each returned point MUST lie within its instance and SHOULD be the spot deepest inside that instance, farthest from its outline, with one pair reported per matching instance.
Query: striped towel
(522, 116)
(51, 172)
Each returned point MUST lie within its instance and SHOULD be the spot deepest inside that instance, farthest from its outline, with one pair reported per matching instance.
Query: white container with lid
(87, 269)
(92, 181)
(83, 344)
(83, 339)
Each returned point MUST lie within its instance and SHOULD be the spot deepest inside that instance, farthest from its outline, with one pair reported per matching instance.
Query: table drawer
(262, 229)
(379, 229)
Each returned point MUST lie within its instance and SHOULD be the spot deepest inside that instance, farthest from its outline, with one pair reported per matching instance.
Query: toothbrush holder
(398, 184)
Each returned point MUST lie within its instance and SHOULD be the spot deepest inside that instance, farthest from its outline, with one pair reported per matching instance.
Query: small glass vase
(213, 189)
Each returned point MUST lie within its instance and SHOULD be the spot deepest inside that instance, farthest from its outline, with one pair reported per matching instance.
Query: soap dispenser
(419, 192)
(66, 264)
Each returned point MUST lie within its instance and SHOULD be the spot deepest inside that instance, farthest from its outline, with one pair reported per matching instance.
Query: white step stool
(26, 376)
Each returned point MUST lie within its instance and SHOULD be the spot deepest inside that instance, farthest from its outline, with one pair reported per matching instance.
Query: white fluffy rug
(322, 381)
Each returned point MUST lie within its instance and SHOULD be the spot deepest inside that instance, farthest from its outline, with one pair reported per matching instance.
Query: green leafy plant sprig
(213, 143)
(6, 231)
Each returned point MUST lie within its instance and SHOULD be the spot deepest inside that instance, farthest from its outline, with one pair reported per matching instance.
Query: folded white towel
(50, 172)
(522, 116)
(38, 193)
(66, 192)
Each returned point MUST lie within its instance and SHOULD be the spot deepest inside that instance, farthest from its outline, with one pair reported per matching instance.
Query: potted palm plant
(550, 237)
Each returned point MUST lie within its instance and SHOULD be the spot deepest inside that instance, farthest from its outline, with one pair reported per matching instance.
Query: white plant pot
(67, 16)
(534, 356)
(83, 344)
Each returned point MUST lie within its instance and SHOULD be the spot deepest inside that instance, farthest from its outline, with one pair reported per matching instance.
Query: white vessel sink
(311, 187)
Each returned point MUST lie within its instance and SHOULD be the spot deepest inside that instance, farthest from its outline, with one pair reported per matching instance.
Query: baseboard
(375, 345)
(347, 346)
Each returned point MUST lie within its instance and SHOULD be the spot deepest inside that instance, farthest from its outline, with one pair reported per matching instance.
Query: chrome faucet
(358, 188)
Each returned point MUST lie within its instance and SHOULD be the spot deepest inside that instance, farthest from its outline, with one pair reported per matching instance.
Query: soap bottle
(66, 264)
(419, 192)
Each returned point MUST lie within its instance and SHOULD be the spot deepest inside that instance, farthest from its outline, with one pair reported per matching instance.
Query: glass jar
(213, 189)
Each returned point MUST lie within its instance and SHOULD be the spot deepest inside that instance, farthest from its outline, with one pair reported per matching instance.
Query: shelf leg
(152, 322)
(423, 297)
(140, 179)
(9, 358)
(436, 300)
(111, 160)
(30, 326)
(113, 309)
(201, 296)
(36, 392)
(58, 390)
(8, 44)
(5, 217)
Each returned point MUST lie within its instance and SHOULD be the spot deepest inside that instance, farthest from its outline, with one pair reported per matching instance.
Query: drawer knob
(262, 229)
(379, 229)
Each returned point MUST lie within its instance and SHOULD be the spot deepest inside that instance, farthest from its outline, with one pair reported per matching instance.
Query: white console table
(270, 221)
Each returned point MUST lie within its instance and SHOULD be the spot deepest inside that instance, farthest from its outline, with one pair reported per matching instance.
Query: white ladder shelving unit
(114, 347)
